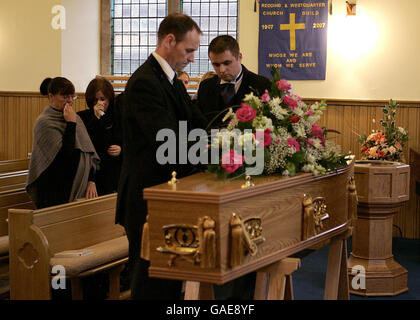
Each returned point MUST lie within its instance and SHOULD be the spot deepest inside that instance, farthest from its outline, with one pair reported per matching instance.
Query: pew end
(81, 238)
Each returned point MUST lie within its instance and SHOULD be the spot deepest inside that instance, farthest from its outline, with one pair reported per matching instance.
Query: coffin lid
(205, 188)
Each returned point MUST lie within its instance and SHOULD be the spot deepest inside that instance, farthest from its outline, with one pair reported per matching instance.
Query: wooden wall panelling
(19, 110)
(3, 137)
(355, 120)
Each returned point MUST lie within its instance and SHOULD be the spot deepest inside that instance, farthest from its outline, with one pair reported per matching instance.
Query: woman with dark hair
(103, 129)
(63, 161)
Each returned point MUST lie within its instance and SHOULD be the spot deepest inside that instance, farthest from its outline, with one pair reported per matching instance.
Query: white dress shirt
(170, 73)
(237, 82)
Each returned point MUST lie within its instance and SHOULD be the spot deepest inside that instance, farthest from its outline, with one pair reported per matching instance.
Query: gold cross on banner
(292, 27)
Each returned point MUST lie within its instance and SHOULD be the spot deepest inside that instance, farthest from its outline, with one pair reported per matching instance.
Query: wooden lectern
(382, 187)
(211, 231)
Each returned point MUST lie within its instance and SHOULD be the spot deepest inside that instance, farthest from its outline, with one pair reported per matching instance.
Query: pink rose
(231, 161)
(290, 102)
(263, 139)
(309, 113)
(292, 143)
(245, 113)
(265, 97)
(316, 131)
(283, 85)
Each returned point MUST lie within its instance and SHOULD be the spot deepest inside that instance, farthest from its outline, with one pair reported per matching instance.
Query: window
(134, 26)
(215, 17)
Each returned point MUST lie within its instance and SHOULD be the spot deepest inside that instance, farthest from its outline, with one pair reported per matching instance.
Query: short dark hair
(96, 85)
(222, 43)
(178, 24)
(58, 85)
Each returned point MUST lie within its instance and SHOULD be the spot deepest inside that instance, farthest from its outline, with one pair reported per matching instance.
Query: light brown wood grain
(372, 238)
(274, 199)
(350, 117)
(42, 233)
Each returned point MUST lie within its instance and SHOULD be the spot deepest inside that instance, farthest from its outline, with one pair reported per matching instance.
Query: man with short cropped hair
(154, 99)
(232, 83)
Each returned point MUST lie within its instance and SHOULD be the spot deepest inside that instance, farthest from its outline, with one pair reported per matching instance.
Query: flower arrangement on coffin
(284, 126)
(386, 144)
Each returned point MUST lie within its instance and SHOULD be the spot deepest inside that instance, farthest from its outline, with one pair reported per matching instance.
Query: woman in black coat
(104, 131)
(63, 160)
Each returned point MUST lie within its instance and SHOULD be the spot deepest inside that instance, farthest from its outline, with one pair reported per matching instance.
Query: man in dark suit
(215, 95)
(154, 99)
(232, 83)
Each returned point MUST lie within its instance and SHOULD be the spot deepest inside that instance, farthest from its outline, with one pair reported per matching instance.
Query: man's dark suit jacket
(211, 103)
(150, 103)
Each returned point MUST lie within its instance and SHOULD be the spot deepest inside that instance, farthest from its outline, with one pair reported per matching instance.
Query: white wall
(374, 56)
(80, 59)
(30, 49)
(371, 56)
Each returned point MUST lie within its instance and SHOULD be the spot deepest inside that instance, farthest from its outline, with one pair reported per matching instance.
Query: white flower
(253, 100)
(317, 143)
(276, 109)
(299, 129)
(402, 131)
(310, 157)
(308, 168)
(298, 111)
(262, 122)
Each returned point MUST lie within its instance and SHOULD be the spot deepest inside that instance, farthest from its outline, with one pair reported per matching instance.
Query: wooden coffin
(208, 230)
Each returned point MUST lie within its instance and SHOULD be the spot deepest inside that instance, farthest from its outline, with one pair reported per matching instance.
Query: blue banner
(293, 38)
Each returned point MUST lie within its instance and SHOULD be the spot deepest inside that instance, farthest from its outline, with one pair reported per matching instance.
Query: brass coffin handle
(244, 238)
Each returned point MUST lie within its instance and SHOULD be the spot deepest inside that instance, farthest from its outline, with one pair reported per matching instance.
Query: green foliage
(388, 143)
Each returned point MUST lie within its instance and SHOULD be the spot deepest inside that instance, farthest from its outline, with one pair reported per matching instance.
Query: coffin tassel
(145, 245)
(308, 218)
(352, 201)
(236, 250)
(208, 248)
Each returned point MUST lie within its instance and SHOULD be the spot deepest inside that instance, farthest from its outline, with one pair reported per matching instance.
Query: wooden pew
(13, 174)
(193, 84)
(414, 202)
(39, 237)
(16, 198)
(8, 166)
(119, 82)
(15, 180)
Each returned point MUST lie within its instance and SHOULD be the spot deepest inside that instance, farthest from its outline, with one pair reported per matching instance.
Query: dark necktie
(227, 92)
(178, 88)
